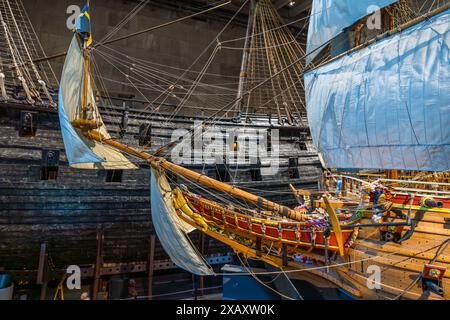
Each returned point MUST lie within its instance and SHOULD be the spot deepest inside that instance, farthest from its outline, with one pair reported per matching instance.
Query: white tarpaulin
(330, 17)
(386, 106)
(172, 231)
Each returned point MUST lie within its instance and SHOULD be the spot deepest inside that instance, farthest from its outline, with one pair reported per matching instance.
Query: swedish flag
(83, 25)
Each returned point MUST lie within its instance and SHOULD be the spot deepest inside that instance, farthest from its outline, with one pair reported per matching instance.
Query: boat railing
(419, 188)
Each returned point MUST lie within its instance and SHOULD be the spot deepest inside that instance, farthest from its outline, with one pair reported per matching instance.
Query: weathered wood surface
(66, 213)
(401, 264)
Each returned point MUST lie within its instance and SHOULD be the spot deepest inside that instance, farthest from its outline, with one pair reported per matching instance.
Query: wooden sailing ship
(329, 241)
(41, 194)
(404, 228)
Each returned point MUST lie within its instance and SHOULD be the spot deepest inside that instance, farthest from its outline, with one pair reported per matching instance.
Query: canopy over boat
(330, 17)
(386, 106)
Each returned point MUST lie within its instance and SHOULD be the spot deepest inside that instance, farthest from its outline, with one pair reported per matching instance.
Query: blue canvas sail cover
(386, 106)
(81, 152)
(172, 231)
(330, 17)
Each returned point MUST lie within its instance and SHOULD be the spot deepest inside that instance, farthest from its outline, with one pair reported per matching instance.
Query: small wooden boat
(308, 234)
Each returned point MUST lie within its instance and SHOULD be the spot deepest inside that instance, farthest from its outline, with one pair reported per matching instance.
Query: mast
(84, 103)
(243, 74)
(88, 130)
(85, 122)
(157, 162)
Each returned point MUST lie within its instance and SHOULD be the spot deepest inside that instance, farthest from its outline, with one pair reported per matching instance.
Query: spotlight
(291, 3)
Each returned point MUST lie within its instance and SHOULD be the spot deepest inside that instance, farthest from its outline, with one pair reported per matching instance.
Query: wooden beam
(335, 224)
(98, 264)
(42, 274)
(258, 247)
(202, 252)
(296, 194)
(42, 264)
(284, 255)
(157, 162)
(151, 266)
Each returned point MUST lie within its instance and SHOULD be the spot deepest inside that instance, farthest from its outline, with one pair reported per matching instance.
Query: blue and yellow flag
(83, 25)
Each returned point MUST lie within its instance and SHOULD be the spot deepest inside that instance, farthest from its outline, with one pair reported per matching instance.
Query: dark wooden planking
(66, 213)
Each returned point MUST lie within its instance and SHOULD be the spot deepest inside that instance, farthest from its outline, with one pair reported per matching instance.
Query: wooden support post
(392, 174)
(335, 224)
(151, 266)
(202, 251)
(285, 255)
(258, 246)
(42, 275)
(98, 265)
(327, 260)
(194, 285)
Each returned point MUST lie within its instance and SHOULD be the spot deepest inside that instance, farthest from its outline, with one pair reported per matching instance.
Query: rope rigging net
(20, 77)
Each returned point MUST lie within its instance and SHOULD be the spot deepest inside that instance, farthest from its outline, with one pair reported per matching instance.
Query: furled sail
(330, 17)
(81, 152)
(172, 231)
(386, 106)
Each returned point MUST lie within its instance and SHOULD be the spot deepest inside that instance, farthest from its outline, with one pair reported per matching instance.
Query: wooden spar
(151, 266)
(98, 264)
(85, 81)
(296, 195)
(157, 162)
(392, 174)
(335, 224)
(42, 275)
(243, 73)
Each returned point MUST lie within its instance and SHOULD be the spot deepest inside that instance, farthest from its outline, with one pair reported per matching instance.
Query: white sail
(172, 231)
(386, 106)
(330, 17)
(81, 152)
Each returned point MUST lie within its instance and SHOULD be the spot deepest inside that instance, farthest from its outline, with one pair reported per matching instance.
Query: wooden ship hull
(332, 243)
(66, 211)
(53, 215)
